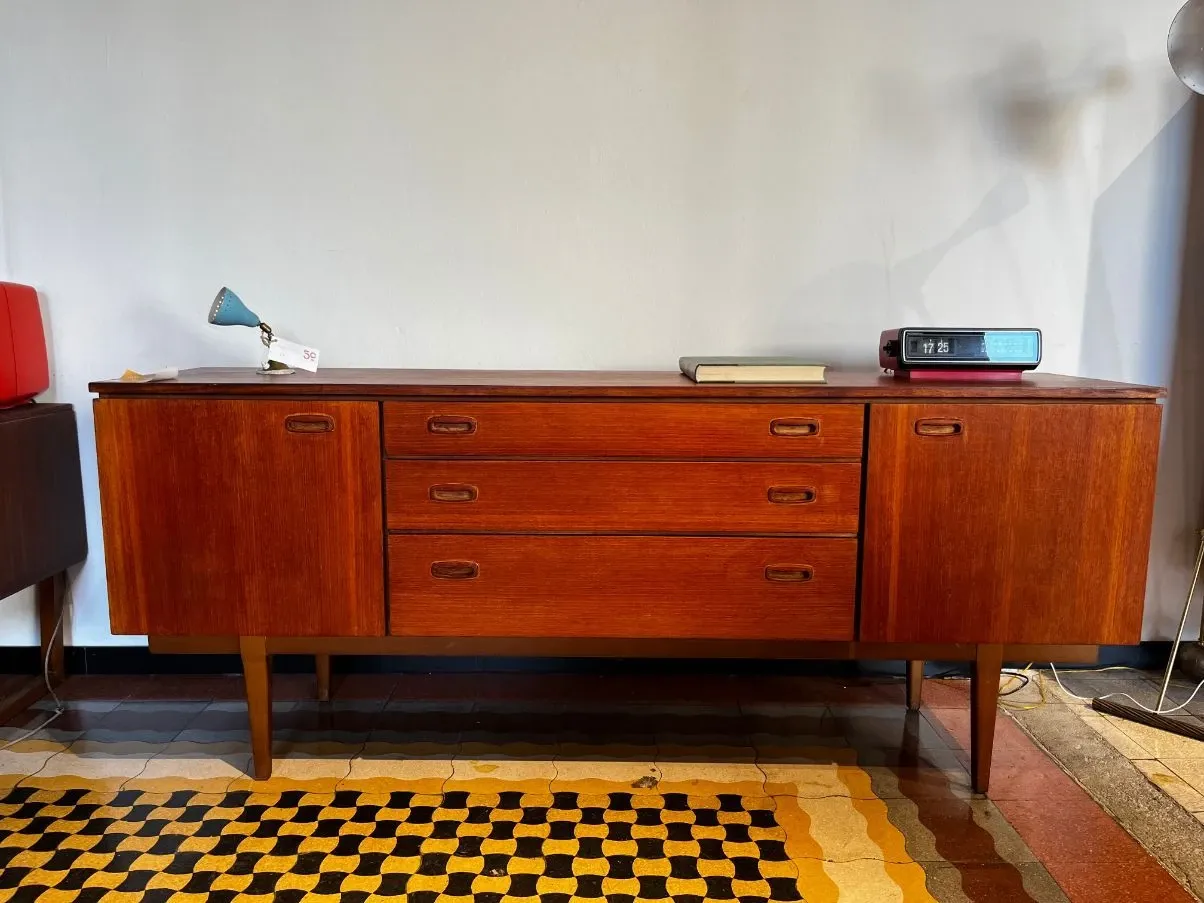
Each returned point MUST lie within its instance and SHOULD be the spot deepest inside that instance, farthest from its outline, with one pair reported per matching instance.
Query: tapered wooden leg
(984, 698)
(50, 593)
(257, 672)
(915, 685)
(322, 669)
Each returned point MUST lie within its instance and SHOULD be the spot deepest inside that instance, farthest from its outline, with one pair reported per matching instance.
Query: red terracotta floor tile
(363, 686)
(442, 687)
(97, 686)
(870, 691)
(1133, 879)
(1030, 782)
(10, 683)
(1070, 830)
(193, 687)
(946, 694)
(1017, 755)
(957, 723)
(290, 687)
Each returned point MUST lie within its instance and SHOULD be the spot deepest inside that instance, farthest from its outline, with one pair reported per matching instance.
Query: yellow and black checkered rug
(86, 846)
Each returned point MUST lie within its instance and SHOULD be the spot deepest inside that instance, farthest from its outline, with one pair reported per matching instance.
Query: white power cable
(59, 707)
(1158, 711)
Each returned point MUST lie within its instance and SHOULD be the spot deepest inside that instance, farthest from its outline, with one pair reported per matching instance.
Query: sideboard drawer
(623, 429)
(622, 586)
(623, 496)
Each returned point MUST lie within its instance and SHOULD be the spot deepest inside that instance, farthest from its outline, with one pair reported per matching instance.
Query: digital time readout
(1000, 347)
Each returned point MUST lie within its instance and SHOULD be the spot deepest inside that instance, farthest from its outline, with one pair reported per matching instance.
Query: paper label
(293, 354)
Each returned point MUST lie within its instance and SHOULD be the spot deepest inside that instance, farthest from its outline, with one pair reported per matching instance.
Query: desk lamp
(228, 310)
(1185, 47)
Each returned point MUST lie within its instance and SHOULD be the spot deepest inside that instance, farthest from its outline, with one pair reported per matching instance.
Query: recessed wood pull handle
(789, 573)
(453, 493)
(309, 423)
(451, 426)
(794, 428)
(938, 427)
(791, 495)
(455, 570)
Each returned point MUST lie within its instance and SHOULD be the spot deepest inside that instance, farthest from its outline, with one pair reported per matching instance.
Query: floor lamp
(1185, 46)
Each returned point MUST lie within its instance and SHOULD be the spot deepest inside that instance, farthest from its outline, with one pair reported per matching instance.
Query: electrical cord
(59, 707)
(1157, 711)
(1024, 679)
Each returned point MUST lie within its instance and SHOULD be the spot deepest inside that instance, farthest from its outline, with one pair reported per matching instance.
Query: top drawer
(622, 429)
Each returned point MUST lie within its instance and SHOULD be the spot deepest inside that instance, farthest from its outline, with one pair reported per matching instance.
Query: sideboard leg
(984, 700)
(50, 595)
(257, 673)
(915, 684)
(322, 669)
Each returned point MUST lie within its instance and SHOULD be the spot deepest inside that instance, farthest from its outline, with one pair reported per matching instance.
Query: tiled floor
(1146, 780)
(1173, 763)
(498, 787)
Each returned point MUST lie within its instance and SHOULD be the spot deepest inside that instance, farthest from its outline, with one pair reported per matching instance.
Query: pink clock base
(960, 376)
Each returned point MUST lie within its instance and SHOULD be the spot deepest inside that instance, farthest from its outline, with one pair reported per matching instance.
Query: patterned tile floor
(509, 787)
(1172, 763)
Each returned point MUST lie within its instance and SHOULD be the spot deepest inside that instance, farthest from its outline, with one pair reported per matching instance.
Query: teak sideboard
(632, 514)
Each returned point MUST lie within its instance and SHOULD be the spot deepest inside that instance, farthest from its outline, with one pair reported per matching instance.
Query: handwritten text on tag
(293, 354)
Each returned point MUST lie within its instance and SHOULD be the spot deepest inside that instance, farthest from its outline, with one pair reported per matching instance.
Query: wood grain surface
(378, 383)
(218, 518)
(1029, 525)
(622, 496)
(603, 429)
(610, 586)
(42, 527)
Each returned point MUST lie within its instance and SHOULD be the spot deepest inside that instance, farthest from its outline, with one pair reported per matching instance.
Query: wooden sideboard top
(382, 383)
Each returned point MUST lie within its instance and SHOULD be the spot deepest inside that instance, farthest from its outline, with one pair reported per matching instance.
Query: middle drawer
(622, 496)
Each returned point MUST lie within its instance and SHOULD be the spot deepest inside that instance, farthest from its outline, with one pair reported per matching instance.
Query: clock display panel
(986, 346)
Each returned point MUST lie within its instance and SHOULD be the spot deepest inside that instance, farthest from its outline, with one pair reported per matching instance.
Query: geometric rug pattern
(395, 792)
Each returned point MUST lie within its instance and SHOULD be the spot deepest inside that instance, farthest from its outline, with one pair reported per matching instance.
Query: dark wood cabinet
(627, 514)
(41, 495)
(42, 527)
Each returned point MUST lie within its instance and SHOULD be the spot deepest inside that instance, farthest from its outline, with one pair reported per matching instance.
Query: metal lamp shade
(1185, 45)
(228, 310)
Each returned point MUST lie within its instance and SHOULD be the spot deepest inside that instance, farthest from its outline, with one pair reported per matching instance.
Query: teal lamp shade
(228, 310)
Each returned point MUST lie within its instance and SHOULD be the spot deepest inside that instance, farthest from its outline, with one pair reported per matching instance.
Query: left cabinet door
(253, 518)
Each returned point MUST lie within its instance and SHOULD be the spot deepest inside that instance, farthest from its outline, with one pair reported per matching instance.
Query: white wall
(543, 183)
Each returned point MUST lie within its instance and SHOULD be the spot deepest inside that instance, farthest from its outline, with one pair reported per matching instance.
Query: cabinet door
(249, 517)
(1008, 523)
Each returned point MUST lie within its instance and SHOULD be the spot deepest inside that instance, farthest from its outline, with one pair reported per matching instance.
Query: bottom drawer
(622, 586)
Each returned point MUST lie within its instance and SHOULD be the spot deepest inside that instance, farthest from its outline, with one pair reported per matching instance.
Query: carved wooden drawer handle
(794, 428)
(309, 423)
(455, 570)
(789, 573)
(791, 495)
(938, 428)
(453, 493)
(451, 426)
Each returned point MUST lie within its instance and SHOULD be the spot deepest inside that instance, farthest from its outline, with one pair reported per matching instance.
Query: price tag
(293, 354)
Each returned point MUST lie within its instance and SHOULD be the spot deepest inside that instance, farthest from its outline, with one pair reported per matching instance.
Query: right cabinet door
(1008, 523)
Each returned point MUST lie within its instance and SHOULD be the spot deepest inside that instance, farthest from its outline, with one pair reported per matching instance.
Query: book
(752, 370)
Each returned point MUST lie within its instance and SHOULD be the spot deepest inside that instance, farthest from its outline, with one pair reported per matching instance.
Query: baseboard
(140, 660)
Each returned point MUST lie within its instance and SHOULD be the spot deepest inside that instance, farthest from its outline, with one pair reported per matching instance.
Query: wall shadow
(1158, 339)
